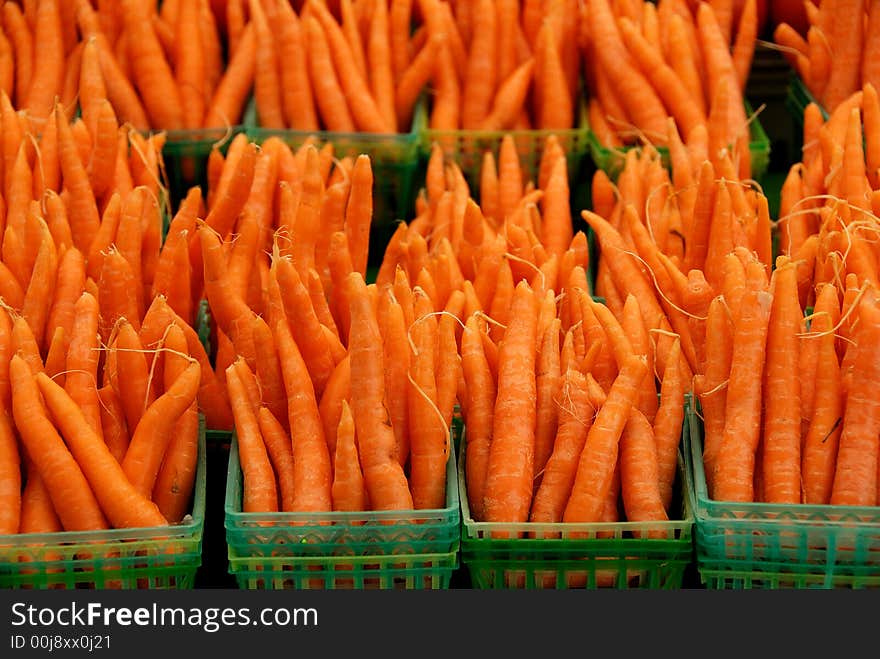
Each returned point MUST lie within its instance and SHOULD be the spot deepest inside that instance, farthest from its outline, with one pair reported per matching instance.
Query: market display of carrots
(566, 342)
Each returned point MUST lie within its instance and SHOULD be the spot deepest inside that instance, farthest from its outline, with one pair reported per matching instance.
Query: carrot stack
(645, 63)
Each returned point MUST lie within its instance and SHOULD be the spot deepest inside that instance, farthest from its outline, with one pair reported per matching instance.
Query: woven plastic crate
(148, 558)
(374, 572)
(570, 556)
(780, 545)
(185, 157)
(467, 147)
(611, 160)
(289, 536)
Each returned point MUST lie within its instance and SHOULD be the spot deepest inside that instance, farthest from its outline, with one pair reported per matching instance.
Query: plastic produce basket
(611, 160)
(579, 556)
(185, 157)
(467, 147)
(149, 558)
(371, 549)
(762, 545)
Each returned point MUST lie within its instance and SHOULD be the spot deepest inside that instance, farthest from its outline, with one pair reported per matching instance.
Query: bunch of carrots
(838, 55)
(100, 436)
(647, 62)
(539, 357)
(495, 66)
(162, 66)
(521, 229)
(342, 393)
(321, 69)
(104, 379)
(672, 240)
(789, 410)
(830, 199)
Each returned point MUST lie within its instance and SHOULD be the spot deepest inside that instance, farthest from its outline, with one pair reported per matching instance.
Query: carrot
(735, 465)
(575, 420)
(413, 79)
(383, 476)
(304, 324)
(480, 404)
(41, 287)
(82, 208)
(666, 83)
(113, 429)
(7, 64)
(349, 492)
(151, 71)
(510, 469)
(381, 73)
(115, 285)
(21, 37)
(640, 473)
(481, 71)
(296, 96)
(227, 103)
(596, 465)
(359, 213)
(635, 92)
(267, 88)
(260, 489)
(123, 504)
(190, 66)
(280, 453)
(137, 388)
(70, 491)
(855, 474)
(782, 409)
(311, 458)
(823, 422)
(847, 35)
(153, 431)
(174, 482)
(509, 98)
(83, 358)
(393, 327)
(427, 428)
(11, 479)
(359, 99)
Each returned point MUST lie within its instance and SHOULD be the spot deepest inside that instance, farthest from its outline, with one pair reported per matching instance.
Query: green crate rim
(405, 142)
(127, 542)
(777, 517)
(477, 536)
(479, 141)
(611, 160)
(239, 525)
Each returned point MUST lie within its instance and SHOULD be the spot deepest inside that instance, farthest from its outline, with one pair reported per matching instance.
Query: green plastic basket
(467, 147)
(148, 558)
(579, 556)
(762, 543)
(286, 542)
(185, 157)
(374, 572)
(611, 160)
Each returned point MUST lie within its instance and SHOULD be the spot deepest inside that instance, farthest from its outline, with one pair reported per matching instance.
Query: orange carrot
(71, 494)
